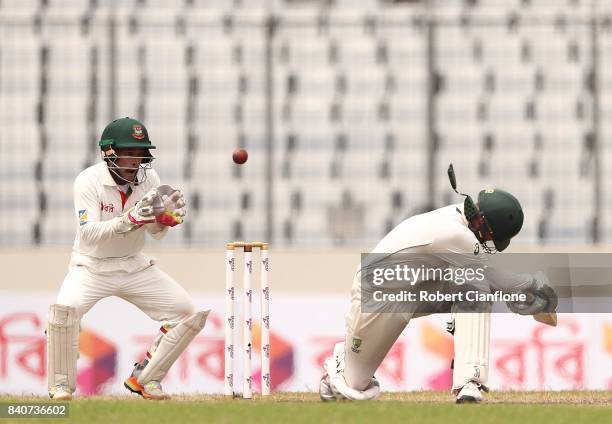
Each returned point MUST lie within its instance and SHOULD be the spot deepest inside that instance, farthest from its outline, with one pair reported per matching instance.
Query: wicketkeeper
(117, 202)
(455, 236)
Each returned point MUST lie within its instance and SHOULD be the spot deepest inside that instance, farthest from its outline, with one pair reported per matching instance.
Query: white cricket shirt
(443, 238)
(103, 244)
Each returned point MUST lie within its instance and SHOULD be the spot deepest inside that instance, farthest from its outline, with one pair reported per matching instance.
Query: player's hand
(540, 298)
(147, 209)
(173, 198)
(169, 218)
(174, 206)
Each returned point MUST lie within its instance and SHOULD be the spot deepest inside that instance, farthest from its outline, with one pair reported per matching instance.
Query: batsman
(458, 236)
(116, 203)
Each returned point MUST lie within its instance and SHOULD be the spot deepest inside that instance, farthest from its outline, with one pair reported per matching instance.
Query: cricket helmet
(502, 213)
(126, 133)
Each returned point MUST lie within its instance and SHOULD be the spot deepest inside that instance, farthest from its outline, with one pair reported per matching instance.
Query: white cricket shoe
(325, 391)
(470, 393)
(150, 390)
(333, 386)
(60, 392)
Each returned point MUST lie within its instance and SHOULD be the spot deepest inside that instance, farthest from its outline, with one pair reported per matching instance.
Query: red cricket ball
(240, 156)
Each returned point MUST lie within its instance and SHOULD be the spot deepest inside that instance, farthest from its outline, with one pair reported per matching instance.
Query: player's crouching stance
(456, 236)
(116, 202)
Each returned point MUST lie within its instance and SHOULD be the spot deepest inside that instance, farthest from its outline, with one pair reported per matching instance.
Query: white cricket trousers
(370, 336)
(151, 290)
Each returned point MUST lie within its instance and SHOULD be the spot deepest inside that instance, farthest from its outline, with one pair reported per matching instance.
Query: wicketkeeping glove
(146, 210)
(174, 206)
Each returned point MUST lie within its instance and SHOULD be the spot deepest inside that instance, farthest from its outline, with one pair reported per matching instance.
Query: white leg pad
(62, 346)
(472, 339)
(171, 346)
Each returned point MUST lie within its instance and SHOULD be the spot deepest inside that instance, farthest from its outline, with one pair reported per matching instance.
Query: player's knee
(184, 308)
(189, 309)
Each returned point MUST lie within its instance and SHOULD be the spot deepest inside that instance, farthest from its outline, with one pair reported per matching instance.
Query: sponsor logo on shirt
(107, 208)
(83, 217)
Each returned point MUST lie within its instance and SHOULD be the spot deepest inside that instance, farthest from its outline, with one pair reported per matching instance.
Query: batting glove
(541, 297)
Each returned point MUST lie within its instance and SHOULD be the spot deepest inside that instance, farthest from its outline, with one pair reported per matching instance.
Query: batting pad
(62, 346)
(171, 346)
(472, 339)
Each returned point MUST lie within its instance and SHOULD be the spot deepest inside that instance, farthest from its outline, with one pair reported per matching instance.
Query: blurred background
(351, 111)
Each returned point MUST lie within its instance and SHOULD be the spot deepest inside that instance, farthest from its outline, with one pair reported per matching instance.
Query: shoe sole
(467, 399)
(132, 385)
(61, 398)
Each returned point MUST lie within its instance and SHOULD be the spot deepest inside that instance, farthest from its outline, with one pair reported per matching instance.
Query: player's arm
(87, 209)
(541, 296)
(459, 248)
(495, 277)
(541, 300)
(537, 286)
(461, 251)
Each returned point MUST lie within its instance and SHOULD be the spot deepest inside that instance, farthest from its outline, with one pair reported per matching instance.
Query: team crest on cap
(137, 132)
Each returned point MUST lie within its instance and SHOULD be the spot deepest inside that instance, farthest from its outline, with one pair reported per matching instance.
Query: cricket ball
(240, 156)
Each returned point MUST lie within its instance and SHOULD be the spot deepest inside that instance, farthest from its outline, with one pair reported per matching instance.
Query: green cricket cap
(124, 133)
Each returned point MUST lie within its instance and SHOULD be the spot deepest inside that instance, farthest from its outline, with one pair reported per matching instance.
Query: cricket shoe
(325, 391)
(60, 392)
(333, 385)
(470, 393)
(149, 390)
(332, 366)
(338, 390)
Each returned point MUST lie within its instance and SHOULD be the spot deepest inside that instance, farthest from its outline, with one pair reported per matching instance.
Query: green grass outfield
(408, 407)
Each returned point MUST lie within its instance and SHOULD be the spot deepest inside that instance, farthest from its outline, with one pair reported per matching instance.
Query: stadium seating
(352, 147)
